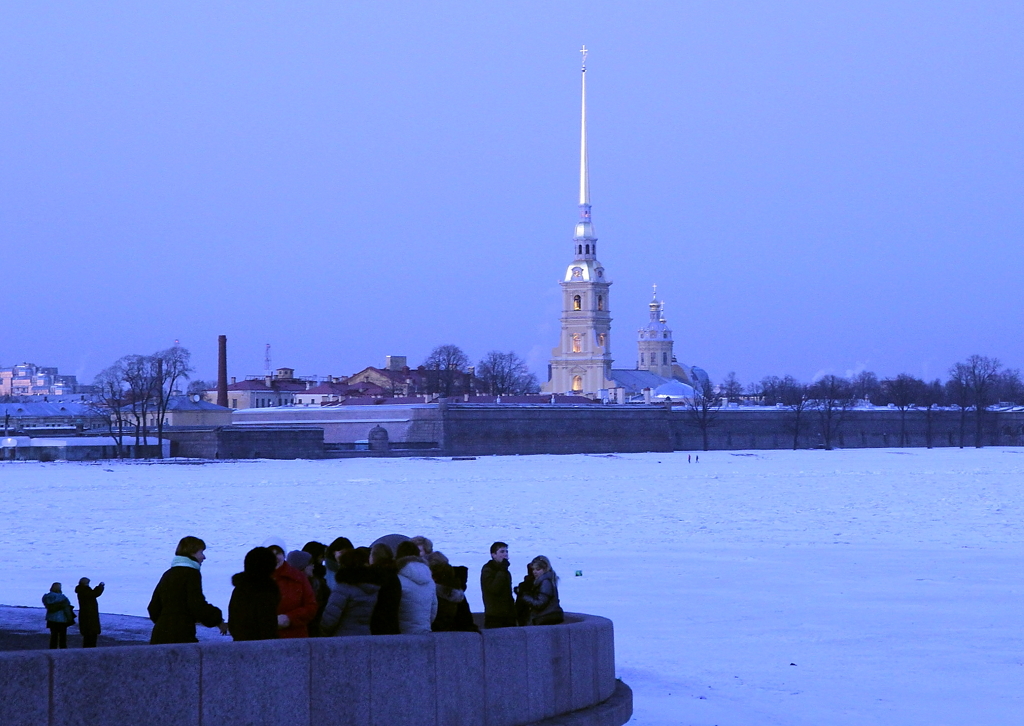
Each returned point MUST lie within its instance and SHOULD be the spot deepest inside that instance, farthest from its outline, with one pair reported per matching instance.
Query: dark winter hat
(299, 559)
(260, 561)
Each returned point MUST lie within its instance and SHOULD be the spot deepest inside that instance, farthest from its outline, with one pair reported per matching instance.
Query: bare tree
(448, 363)
(903, 392)
(171, 366)
(793, 395)
(505, 374)
(864, 386)
(980, 375)
(831, 396)
(110, 402)
(201, 388)
(958, 392)
(731, 388)
(932, 394)
(141, 377)
(1009, 388)
(703, 407)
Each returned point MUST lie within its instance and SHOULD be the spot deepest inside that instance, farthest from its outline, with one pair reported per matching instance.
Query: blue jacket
(58, 608)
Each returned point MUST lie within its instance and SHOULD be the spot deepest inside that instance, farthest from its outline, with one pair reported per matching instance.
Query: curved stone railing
(555, 675)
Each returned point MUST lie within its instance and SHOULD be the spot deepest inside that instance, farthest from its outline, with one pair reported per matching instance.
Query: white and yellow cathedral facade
(582, 361)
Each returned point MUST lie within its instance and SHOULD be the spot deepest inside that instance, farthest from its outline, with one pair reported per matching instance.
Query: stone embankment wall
(560, 675)
(483, 430)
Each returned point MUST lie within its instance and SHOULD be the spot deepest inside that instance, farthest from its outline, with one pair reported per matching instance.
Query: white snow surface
(873, 586)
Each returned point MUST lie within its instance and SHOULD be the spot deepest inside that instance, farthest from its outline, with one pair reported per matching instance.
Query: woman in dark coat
(59, 615)
(384, 620)
(178, 602)
(543, 597)
(88, 612)
(252, 611)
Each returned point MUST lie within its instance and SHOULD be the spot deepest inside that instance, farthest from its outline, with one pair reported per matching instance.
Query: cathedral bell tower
(654, 342)
(582, 362)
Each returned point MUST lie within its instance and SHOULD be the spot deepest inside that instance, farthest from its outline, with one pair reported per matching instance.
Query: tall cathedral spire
(582, 361)
(584, 240)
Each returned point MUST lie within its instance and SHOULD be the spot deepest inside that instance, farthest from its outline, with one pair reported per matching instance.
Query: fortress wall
(559, 674)
(495, 429)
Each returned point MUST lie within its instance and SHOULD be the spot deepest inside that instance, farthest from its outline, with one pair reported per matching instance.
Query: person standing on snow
(88, 612)
(496, 587)
(178, 602)
(252, 610)
(59, 615)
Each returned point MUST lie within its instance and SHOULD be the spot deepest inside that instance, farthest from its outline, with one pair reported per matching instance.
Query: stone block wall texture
(480, 430)
(504, 677)
(237, 442)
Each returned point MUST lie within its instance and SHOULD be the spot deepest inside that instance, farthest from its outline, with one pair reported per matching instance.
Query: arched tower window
(576, 347)
(577, 302)
(588, 249)
(641, 359)
(577, 383)
(600, 302)
(664, 359)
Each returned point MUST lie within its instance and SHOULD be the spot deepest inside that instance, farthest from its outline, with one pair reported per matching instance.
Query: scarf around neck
(180, 561)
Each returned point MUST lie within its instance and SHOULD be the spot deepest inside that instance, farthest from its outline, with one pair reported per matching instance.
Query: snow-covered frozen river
(810, 587)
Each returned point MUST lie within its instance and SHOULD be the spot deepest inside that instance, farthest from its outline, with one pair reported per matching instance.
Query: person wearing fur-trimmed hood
(418, 606)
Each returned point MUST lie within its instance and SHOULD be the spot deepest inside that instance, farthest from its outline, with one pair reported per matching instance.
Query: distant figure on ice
(252, 611)
(543, 599)
(689, 458)
(88, 612)
(178, 602)
(496, 587)
(59, 615)
(298, 605)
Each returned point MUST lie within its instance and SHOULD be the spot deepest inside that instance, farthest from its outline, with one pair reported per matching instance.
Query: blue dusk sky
(814, 186)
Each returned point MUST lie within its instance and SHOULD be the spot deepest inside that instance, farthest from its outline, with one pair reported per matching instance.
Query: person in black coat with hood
(88, 612)
(382, 571)
(252, 611)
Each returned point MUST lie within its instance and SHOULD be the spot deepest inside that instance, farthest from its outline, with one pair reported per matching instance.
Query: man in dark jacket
(178, 602)
(496, 586)
(88, 612)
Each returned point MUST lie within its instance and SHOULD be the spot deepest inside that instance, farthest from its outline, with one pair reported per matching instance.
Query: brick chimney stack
(222, 370)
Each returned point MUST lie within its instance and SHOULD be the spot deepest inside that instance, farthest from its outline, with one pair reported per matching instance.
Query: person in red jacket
(298, 605)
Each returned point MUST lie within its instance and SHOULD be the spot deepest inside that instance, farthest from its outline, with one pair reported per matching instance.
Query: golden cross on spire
(655, 295)
(583, 51)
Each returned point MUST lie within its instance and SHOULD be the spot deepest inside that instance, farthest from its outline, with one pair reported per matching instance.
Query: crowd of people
(397, 585)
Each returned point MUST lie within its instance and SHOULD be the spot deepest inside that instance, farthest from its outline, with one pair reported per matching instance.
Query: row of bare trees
(137, 388)
(972, 387)
(497, 373)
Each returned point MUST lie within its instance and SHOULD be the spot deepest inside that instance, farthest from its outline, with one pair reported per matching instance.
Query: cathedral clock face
(577, 273)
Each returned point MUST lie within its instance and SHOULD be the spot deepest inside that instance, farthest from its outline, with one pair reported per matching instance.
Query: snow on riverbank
(892, 579)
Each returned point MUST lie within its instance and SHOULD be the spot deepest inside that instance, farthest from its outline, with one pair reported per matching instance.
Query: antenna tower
(266, 360)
